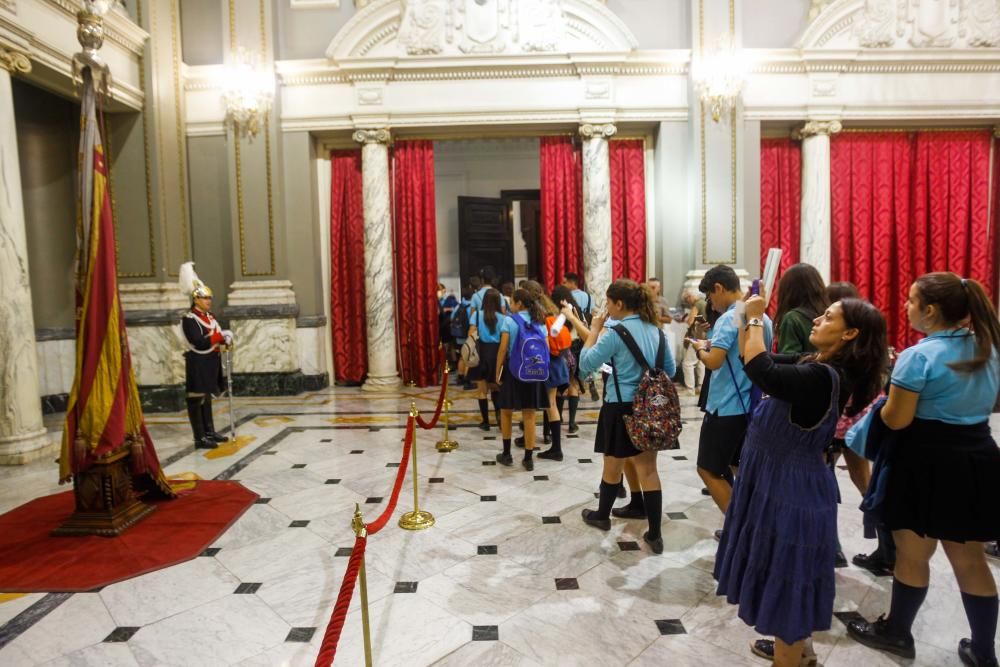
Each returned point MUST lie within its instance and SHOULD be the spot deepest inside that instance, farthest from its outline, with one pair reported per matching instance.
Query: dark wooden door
(485, 237)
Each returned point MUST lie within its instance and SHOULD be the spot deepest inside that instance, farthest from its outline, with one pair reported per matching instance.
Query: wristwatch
(755, 322)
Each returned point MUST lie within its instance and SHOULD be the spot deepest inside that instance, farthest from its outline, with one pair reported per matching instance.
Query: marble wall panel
(265, 346)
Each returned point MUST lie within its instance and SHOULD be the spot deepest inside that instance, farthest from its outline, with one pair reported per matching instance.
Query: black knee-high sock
(608, 494)
(495, 399)
(506, 446)
(886, 545)
(555, 430)
(528, 453)
(484, 410)
(637, 499)
(545, 423)
(906, 601)
(653, 502)
(560, 402)
(982, 614)
(574, 403)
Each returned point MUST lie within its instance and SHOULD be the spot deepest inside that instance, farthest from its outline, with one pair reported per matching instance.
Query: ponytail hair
(637, 298)
(491, 306)
(958, 300)
(530, 303)
(538, 292)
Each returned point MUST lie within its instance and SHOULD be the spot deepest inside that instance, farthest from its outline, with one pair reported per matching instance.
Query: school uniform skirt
(517, 395)
(612, 438)
(558, 372)
(487, 368)
(944, 482)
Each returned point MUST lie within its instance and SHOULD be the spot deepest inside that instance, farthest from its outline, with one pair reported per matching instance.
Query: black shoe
(763, 648)
(519, 441)
(591, 520)
(529, 464)
(573, 428)
(505, 459)
(718, 535)
(593, 392)
(622, 493)
(840, 560)
(551, 455)
(877, 636)
(629, 512)
(705, 491)
(215, 437)
(992, 549)
(205, 443)
(874, 563)
(484, 426)
(969, 657)
(656, 545)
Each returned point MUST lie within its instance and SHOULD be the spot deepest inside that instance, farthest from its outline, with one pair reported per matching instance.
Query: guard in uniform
(202, 361)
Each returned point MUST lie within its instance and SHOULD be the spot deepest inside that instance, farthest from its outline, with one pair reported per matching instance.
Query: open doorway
(501, 232)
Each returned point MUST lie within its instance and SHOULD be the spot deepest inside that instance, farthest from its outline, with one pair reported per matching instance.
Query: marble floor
(508, 575)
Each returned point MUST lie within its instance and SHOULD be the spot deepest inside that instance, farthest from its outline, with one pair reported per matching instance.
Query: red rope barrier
(328, 649)
(440, 402)
(379, 523)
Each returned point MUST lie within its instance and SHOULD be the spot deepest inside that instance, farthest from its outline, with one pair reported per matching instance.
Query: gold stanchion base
(411, 383)
(416, 520)
(446, 445)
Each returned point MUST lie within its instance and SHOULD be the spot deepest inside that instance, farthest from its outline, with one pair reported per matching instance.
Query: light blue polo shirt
(723, 393)
(945, 394)
(583, 300)
(610, 346)
(485, 334)
(477, 299)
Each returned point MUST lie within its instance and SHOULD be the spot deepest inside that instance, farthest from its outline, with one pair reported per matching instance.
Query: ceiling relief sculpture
(421, 28)
(904, 24)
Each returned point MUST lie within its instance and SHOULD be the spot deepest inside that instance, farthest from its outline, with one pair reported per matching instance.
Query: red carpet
(32, 561)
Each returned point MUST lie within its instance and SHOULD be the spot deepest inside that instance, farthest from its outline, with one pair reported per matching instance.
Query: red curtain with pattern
(780, 201)
(628, 209)
(561, 237)
(904, 204)
(415, 230)
(347, 268)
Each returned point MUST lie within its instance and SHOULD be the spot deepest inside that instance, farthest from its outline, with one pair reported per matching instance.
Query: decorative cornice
(818, 127)
(14, 61)
(380, 136)
(592, 131)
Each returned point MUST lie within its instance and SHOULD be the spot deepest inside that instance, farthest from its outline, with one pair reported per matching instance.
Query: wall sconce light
(719, 75)
(248, 91)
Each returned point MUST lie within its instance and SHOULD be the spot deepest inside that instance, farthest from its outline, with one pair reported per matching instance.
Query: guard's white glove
(227, 335)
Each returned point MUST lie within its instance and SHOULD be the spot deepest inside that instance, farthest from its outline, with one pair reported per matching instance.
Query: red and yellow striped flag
(104, 413)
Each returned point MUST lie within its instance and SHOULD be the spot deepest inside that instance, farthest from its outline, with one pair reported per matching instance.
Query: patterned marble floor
(509, 575)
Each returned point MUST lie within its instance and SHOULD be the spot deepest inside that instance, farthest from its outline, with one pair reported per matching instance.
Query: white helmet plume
(190, 284)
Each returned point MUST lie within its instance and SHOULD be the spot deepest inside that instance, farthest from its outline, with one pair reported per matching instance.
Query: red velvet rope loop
(440, 402)
(379, 523)
(328, 649)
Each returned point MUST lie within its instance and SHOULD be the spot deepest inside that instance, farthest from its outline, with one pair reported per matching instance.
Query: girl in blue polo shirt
(944, 477)
(486, 323)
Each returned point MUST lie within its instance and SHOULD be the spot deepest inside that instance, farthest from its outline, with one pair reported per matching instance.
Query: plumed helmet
(190, 284)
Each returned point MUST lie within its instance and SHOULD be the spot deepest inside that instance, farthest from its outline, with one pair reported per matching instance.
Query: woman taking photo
(631, 305)
(778, 546)
(944, 471)
(515, 394)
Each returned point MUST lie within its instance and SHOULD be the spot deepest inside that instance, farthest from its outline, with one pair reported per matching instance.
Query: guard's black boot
(209, 421)
(195, 416)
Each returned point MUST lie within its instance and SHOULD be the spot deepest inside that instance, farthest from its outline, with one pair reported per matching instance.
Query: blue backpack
(459, 325)
(529, 358)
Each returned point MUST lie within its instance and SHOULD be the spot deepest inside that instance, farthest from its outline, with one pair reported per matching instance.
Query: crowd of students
(782, 402)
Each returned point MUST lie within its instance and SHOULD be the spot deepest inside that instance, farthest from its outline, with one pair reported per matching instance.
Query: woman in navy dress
(779, 542)
(944, 470)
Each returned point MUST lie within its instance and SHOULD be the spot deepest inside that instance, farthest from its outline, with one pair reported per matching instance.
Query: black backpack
(460, 323)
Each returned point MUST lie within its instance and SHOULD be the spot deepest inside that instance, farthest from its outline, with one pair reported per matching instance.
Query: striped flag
(104, 413)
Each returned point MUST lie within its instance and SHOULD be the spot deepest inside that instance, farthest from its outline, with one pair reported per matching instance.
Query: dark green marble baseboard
(162, 397)
(277, 384)
(53, 403)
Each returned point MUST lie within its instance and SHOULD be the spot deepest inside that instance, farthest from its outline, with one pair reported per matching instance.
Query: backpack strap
(736, 384)
(633, 347)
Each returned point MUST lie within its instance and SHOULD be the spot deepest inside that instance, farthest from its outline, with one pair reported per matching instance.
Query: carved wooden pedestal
(105, 504)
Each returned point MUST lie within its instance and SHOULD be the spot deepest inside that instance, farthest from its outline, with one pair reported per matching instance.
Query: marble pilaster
(261, 315)
(814, 242)
(379, 285)
(22, 432)
(597, 263)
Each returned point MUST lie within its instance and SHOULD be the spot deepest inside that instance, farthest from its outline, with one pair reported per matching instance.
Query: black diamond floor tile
(487, 550)
(628, 546)
(332, 481)
(567, 584)
(122, 633)
(373, 500)
(541, 478)
(671, 626)
(357, 451)
(262, 501)
(405, 587)
(327, 440)
(343, 552)
(302, 635)
(298, 466)
(677, 516)
(572, 435)
(489, 437)
(392, 465)
(680, 458)
(551, 519)
(485, 633)
(436, 480)
(585, 460)
(299, 523)
(211, 551)
(487, 499)
(246, 588)
(489, 463)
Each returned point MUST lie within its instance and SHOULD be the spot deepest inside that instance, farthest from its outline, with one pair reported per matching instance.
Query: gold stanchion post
(360, 531)
(446, 444)
(417, 519)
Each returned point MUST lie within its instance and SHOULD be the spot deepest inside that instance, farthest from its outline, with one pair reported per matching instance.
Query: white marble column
(22, 432)
(814, 238)
(380, 289)
(597, 264)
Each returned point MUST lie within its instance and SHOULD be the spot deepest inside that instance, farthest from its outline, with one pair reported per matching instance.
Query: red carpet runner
(31, 561)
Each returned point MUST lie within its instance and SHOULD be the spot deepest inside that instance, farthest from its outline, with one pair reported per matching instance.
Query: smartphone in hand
(755, 287)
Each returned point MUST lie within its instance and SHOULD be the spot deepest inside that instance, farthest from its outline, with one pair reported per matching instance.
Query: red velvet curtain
(561, 179)
(780, 202)
(628, 209)
(904, 204)
(415, 228)
(347, 268)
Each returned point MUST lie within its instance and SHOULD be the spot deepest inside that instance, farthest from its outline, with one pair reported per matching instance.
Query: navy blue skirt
(558, 373)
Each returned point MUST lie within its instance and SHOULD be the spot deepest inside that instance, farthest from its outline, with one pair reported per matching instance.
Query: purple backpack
(529, 357)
